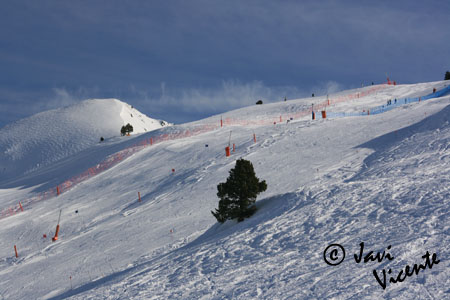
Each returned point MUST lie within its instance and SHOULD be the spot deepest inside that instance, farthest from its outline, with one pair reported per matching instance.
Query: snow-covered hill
(379, 179)
(47, 137)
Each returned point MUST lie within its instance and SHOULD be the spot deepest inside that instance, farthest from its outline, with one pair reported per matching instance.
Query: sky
(185, 60)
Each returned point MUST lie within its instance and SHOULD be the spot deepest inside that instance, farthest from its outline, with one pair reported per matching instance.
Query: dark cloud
(104, 47)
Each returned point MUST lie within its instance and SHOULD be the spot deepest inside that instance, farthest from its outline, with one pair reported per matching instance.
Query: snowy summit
(47, 137)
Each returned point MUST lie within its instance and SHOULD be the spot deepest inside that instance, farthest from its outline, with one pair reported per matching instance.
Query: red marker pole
(15, 250)
(21, 207)
(55, 238)
(139, 195)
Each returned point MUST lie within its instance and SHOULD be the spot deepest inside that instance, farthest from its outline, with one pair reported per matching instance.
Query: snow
(47, 137)
(379, 179)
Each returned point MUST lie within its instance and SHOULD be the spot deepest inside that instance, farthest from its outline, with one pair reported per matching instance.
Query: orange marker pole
(55, 238)
(21, 207)
(151, 141)
(234, 147)
(15, 250)
(57, 190)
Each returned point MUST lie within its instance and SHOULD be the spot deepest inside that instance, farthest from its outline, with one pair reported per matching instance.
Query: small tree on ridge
(126, 129)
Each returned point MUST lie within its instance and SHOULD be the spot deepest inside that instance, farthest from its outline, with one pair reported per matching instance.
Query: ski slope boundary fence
(104, 165)
(279, 118)
(387, 107)
(179, 132)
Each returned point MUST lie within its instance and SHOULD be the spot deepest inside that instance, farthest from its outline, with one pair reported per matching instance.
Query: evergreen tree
(238, 194)
(129, 128)
(126, 129)
(447, 75)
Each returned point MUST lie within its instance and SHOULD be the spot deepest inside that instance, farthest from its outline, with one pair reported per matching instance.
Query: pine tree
(129, 128)
(238, 194)
(126, 129)
(447, 75)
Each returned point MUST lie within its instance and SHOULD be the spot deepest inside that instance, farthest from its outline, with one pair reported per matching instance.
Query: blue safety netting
(394, 103)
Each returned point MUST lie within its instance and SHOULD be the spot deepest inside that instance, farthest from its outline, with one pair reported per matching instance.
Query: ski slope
(379, 179)
(47, 137)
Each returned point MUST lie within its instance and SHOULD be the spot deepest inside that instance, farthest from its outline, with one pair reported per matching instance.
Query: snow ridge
(47, 137)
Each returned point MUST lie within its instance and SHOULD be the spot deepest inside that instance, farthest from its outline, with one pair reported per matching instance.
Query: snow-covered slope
(47, 137)
(379, 179)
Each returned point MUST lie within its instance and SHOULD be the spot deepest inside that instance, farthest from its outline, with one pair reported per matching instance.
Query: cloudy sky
(184, 60)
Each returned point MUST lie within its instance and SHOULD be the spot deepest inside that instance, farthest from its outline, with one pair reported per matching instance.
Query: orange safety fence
(178, 133)
(106, 164)
(267, 120)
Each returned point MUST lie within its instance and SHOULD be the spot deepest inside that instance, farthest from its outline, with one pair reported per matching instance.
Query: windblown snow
(382, 180)
(52, 135)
